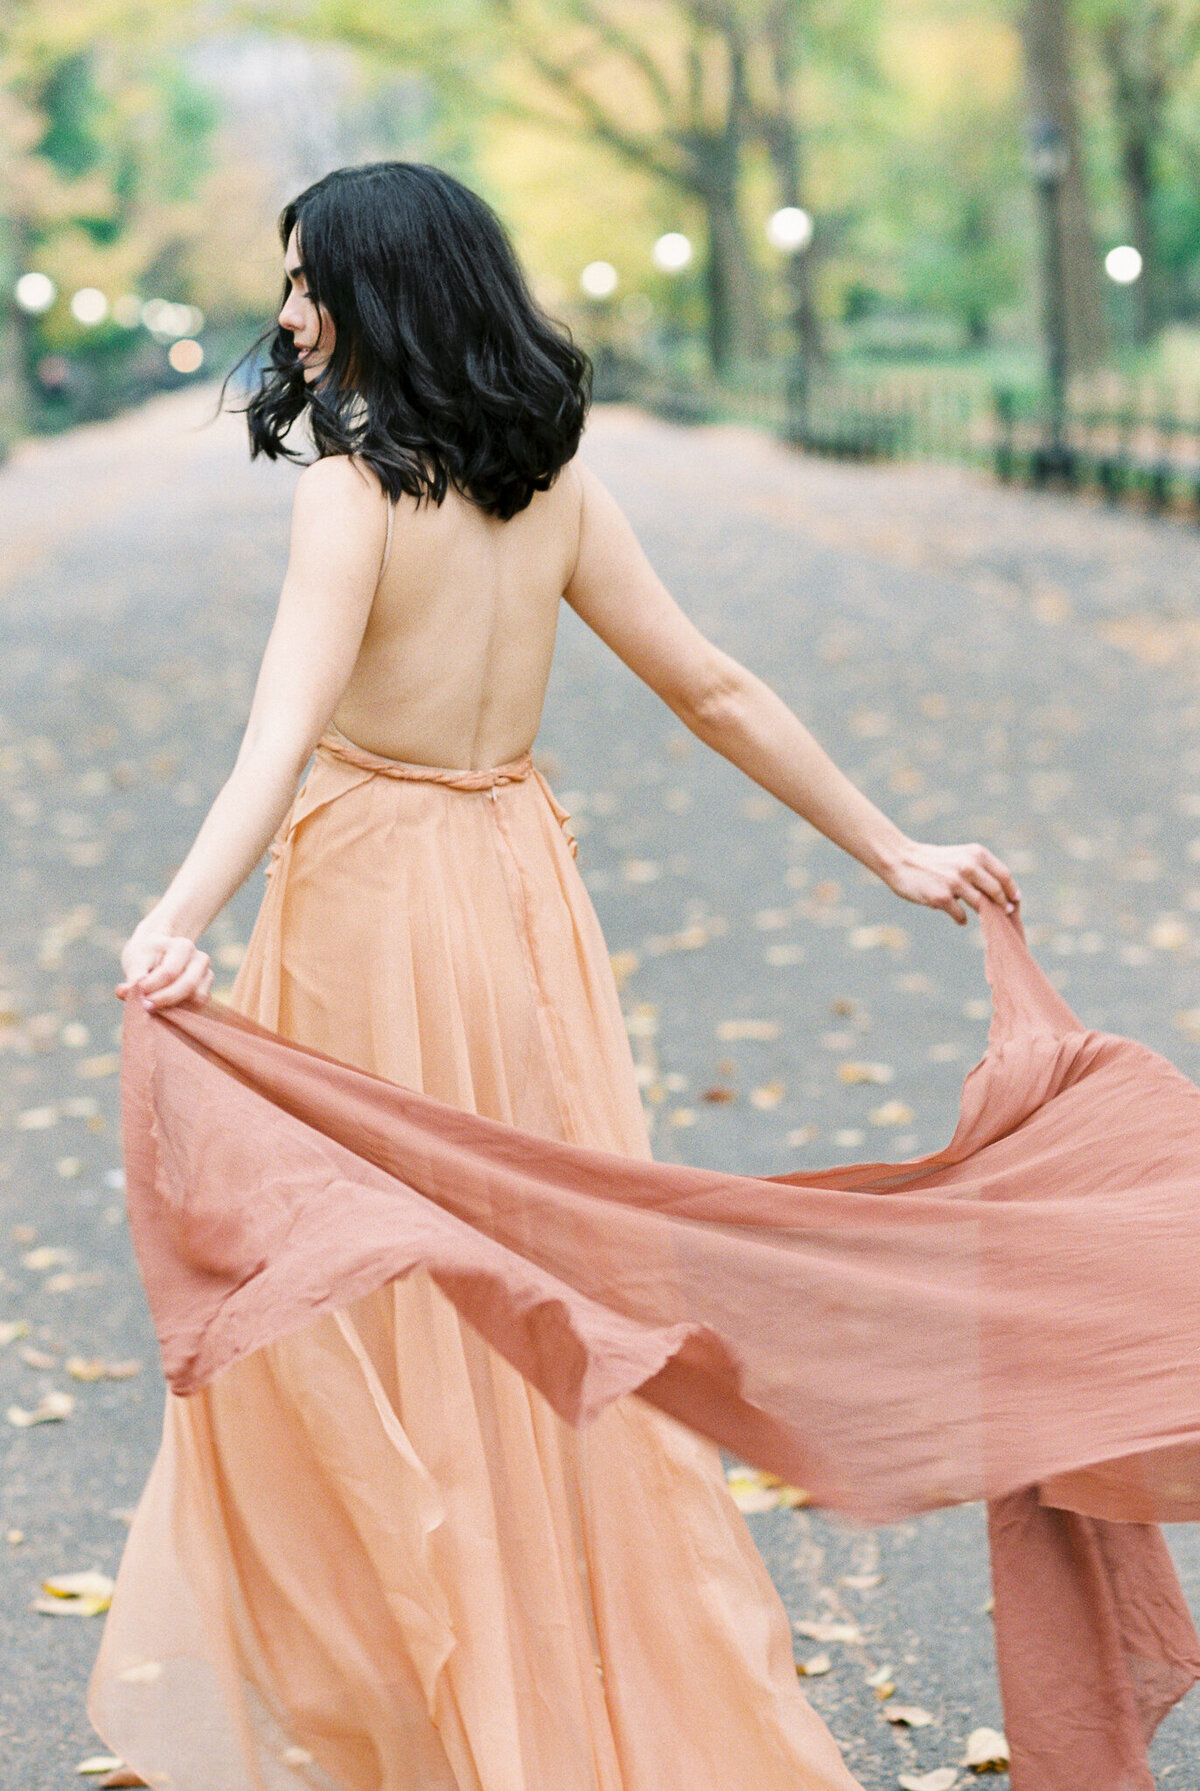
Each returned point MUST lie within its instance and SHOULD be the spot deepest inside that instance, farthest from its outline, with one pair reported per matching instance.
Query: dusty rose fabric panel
(1016, 1311)
(1094, 1643)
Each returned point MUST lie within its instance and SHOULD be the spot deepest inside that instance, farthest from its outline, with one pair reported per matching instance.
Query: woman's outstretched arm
(617, 593)
(339, 522)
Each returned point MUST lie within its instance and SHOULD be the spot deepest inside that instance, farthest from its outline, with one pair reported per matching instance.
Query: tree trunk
(13, 397)
(737, 322)
(1049, 65)
(779, 130)
(1138, 97)
(737, 327)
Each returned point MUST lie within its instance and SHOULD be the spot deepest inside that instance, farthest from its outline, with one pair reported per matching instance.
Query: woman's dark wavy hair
(445, 371)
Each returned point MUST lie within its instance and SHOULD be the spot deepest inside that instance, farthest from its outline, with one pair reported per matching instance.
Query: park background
(900, 220)
(887, 226)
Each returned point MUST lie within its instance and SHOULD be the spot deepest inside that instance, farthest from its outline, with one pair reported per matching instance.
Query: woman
(369, 1557)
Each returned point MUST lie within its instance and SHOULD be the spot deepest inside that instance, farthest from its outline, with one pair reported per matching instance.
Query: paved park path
(987, 663)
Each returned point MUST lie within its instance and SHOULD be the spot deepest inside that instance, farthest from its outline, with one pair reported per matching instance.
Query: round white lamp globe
(35, 293)
(789, 229)
(89, 306)
(599, 279)
(672, 252)
(1123, 264)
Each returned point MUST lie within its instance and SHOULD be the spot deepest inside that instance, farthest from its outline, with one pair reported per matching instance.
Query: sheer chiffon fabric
(370, 1555)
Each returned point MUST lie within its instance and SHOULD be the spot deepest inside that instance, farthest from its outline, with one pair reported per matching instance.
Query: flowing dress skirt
(370, 1557)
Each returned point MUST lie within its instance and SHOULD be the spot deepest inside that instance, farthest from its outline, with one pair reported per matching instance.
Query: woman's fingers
(995, 867)
(164, 969)
(953, 904)
(182, 988)
(176, 956)
(984, 872)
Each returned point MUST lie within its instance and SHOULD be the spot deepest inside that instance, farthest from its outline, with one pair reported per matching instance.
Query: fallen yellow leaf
(46, 1256)
(80, 1368)
(851, 1072)
(814, 1668)
(821, 1629)
(761, 1031)
(36, 1119)
(987, 1751)
(868, 938)
(71, 1607)
(90, 1583)
(751, 1496)
(769, 1095)
(942, 1778)
(623, 963)
(910, 1715)
(99, 1763)
(50, 1410)
(92, 1068)
(891, 1113)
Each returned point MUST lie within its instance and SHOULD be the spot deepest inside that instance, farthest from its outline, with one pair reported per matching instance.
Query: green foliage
(73, 110)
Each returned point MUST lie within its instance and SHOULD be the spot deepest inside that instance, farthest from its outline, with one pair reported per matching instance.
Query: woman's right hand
(946, 877)
(162, 969)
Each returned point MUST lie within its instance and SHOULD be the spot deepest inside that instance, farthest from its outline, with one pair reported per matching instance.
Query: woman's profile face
(312, 328)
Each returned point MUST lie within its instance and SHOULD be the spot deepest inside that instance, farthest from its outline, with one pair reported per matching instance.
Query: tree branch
(616, 38)
(562, 76)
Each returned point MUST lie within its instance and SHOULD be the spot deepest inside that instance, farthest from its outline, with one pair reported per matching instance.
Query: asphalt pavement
(987, 663)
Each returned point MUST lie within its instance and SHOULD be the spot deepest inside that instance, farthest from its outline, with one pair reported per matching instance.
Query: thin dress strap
(387, 546)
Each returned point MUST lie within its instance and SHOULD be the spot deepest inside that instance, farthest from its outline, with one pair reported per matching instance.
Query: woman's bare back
(453, 665)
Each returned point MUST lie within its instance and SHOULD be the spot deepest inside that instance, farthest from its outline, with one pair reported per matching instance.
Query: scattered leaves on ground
(95, 1368)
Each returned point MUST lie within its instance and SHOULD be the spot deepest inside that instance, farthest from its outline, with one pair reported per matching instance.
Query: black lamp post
(1049, 160)
(790, 230)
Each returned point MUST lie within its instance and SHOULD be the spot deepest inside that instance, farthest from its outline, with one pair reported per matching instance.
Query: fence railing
(1123, 440)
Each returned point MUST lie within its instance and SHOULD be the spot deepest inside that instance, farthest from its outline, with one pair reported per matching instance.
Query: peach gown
(370, 1557)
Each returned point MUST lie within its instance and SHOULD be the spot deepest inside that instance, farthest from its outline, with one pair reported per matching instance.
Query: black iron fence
(1126, 440)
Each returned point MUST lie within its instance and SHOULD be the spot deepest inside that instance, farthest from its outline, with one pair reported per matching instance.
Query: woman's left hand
(946, 877)
(162, 969)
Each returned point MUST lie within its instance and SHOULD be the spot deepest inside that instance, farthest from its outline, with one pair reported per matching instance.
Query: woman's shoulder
(338, 478)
